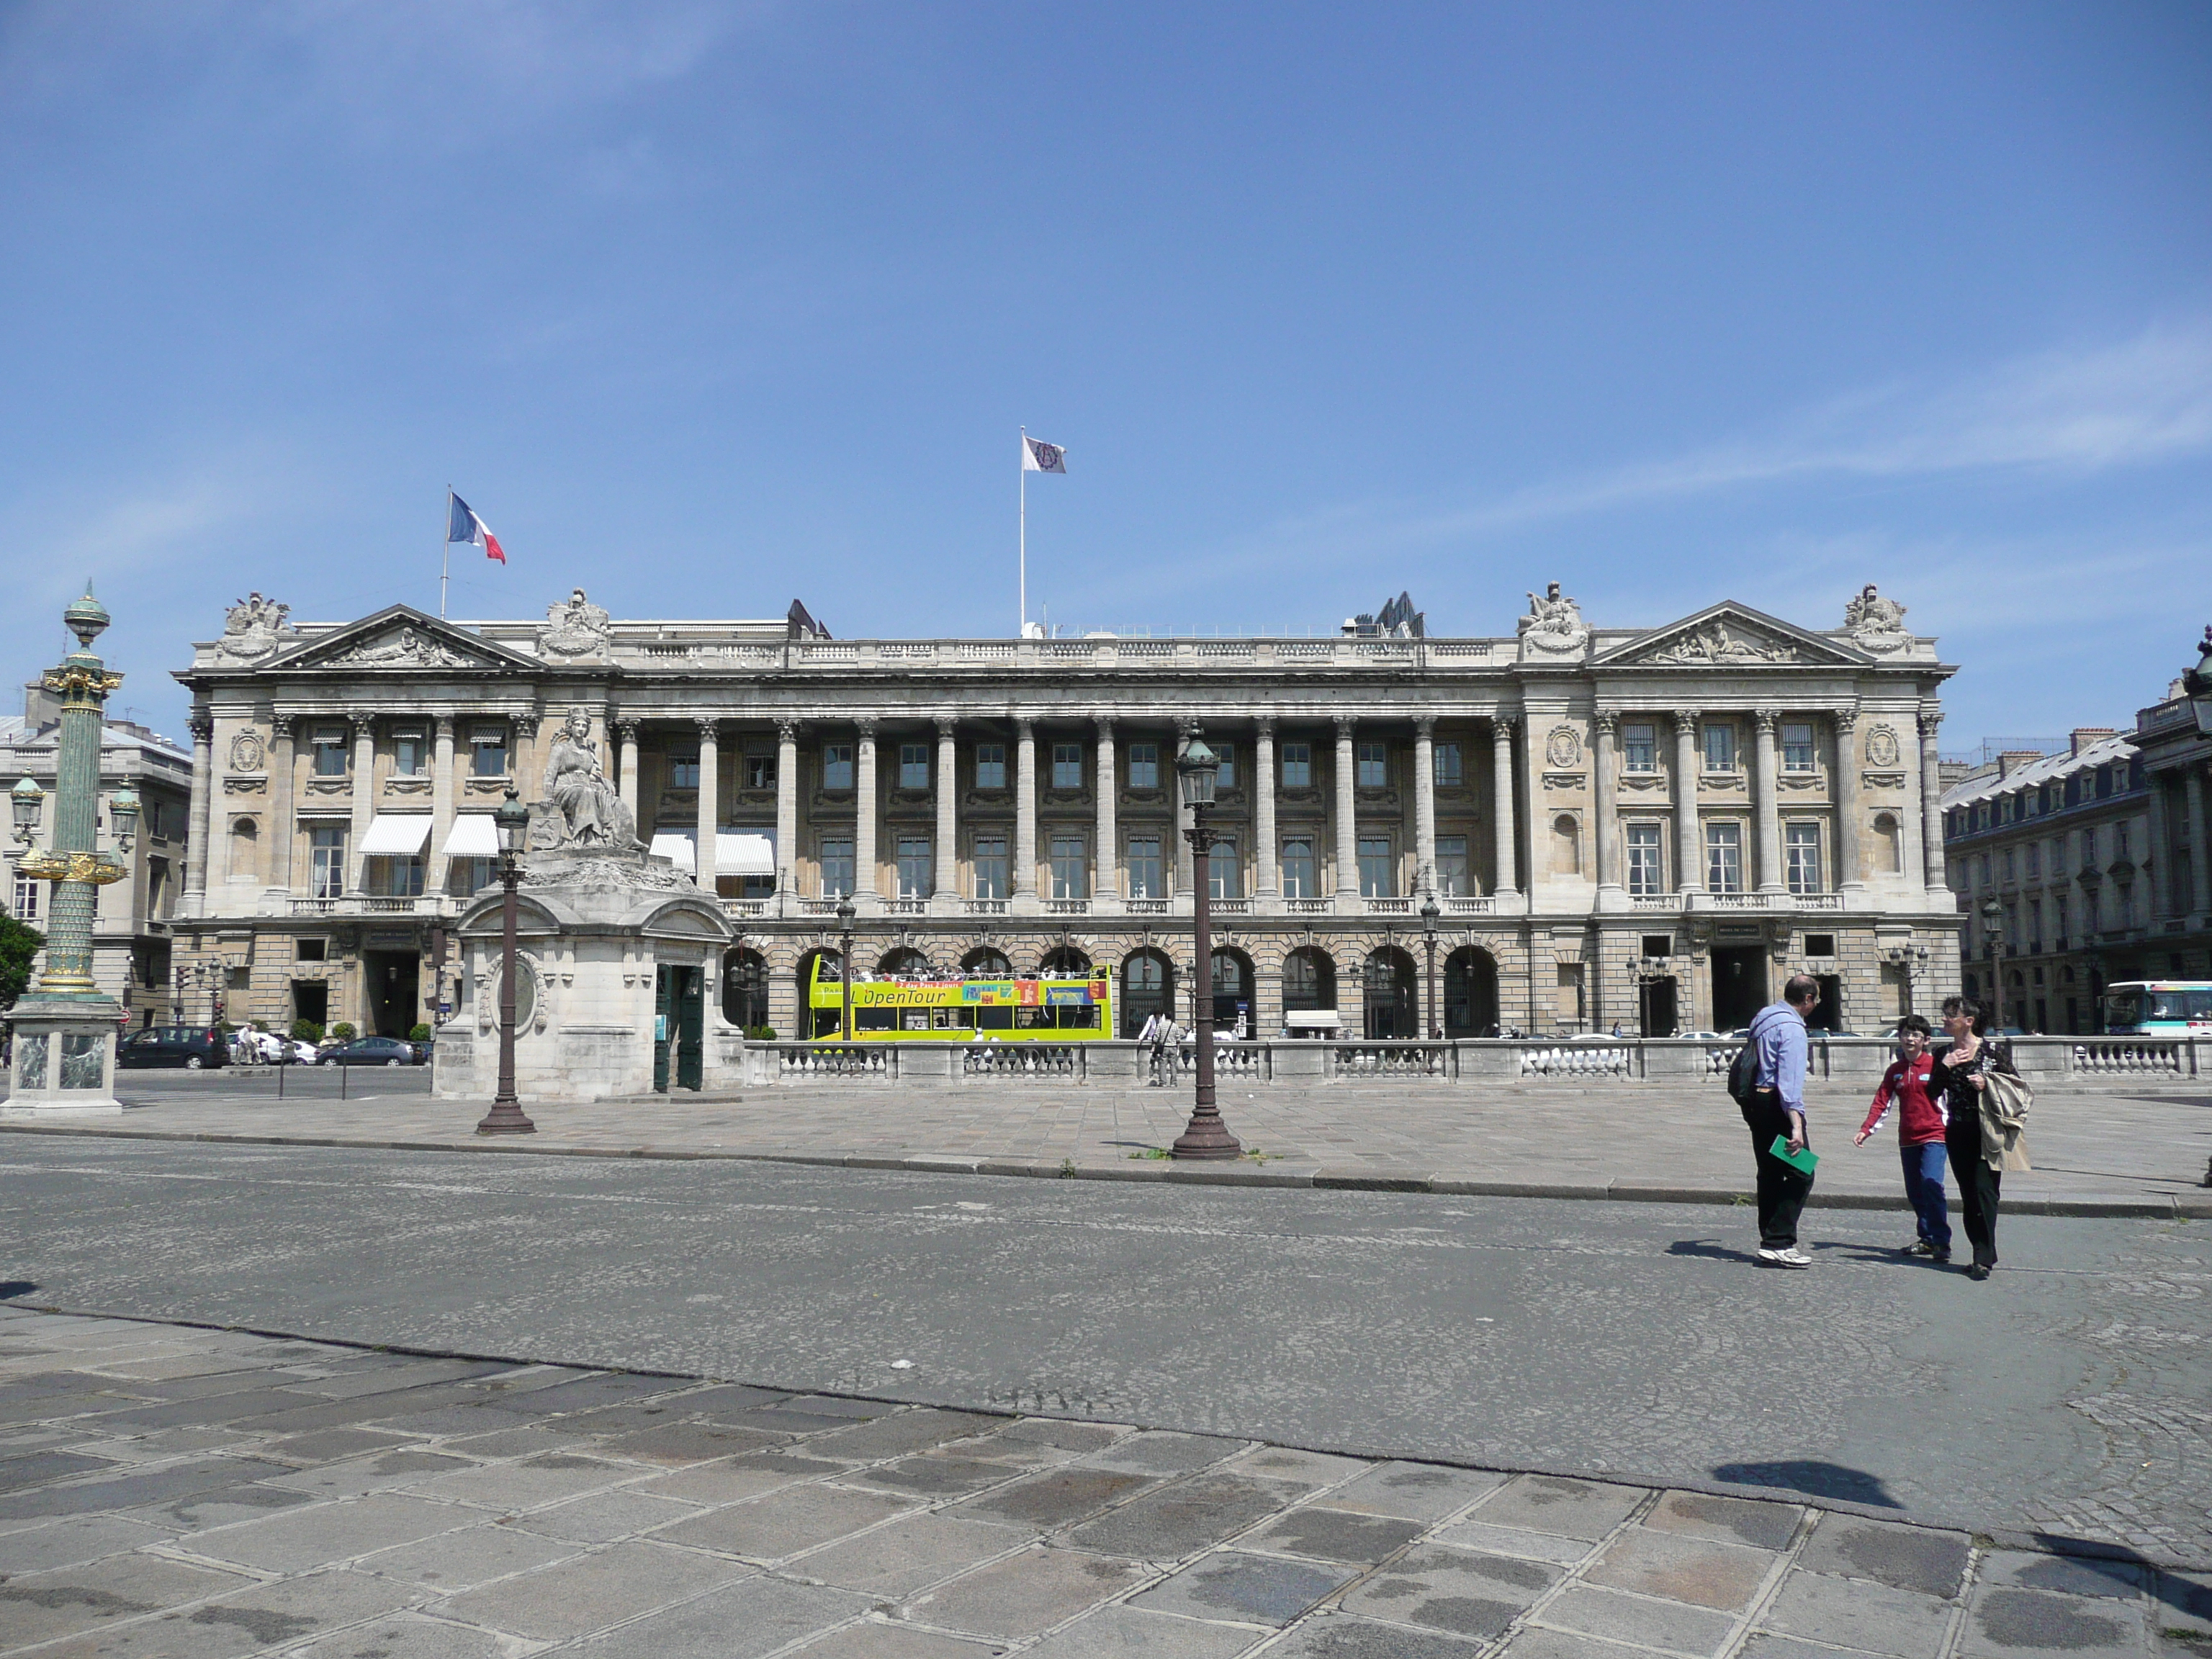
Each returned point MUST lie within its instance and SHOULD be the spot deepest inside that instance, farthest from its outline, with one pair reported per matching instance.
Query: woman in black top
(1959, 1078)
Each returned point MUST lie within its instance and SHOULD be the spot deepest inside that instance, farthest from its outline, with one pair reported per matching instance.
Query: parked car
(373, 1051)
(189, 1047)
(1701, 1036)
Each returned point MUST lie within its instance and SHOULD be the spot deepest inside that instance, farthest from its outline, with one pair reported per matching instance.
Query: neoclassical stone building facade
(1640, 827)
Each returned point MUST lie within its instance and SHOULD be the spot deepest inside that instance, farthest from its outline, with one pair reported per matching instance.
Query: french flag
(464, 525)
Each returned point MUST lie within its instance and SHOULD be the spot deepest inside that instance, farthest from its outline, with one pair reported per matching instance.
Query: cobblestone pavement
(2067, 1395)
(2087, 1145)
(201, 1494)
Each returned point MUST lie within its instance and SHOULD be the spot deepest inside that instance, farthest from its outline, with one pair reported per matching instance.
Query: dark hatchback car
(193, 1048)
(375, 1051)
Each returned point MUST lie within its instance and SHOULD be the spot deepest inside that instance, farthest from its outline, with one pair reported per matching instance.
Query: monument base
(64, 1063)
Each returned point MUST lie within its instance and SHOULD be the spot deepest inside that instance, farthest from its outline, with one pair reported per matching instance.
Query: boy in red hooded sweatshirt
(1919, 1136)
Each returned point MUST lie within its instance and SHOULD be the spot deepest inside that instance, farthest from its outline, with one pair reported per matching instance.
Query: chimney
(2086, 735)
(2013, 759)
(41, 708)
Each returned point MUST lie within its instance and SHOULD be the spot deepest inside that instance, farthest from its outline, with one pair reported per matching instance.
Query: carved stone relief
(1563, 747)
(246, 754)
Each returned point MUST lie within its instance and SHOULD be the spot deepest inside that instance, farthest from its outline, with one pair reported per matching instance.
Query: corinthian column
(1106, 866)
(441, 801)
(1344, 830)
(709, 821)
(2200, 875)
(363, 783)
(1025, 805)
(945, 884)
(626, 766)
(1263, 808)
(1931, 802)
(864, 818)
(1425, 805)
(284, 785)
(196, 849)
(1849, 877)
(1689, 848)
(1605, 724)
(1503, 812)
(1768, 806)
(786, 805)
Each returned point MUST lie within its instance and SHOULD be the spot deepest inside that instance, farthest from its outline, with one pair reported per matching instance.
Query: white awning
(474, 836)
(737, 852)
(396, 834)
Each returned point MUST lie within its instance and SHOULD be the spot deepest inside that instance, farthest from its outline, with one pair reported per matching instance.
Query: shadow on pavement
(1810, 1475)
(1705, 1247)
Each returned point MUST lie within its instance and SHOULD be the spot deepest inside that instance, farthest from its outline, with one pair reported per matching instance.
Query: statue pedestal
(63, 1064)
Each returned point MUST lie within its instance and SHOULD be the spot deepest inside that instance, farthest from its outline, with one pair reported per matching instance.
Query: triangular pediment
(1730, 636)
(399, 639)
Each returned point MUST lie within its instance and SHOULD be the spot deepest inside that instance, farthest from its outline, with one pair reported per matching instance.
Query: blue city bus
(2159, 1007)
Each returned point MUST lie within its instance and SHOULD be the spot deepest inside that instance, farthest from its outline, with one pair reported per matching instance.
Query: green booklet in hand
(1804, 1160)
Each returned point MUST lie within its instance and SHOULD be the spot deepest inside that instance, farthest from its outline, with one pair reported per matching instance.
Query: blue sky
(705, 307)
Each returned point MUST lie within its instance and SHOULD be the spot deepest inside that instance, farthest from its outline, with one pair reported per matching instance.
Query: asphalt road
(2069, 1394)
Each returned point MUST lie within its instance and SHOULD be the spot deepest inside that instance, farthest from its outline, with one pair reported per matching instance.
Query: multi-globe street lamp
(846, 912)
(511, 818)
(1992, 925)
(1430, 911)
(1207, 1136)
(1909, 961)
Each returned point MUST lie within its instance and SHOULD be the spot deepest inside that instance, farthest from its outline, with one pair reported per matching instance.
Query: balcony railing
(1458, 904)
(986, 907)
(1389, 906)
(1068, 907)
(1145, 907)
(906, 907)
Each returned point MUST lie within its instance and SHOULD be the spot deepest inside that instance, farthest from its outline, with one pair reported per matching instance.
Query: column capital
(1504, 725)
(1105, 725)
(710, 726)
(1766, 720)
(1025, 726)
(945, 723)
(626, 730)
(1846, 718)
(525, 725)
(441, 723)
(1606, 720)
(1265, 725)
(363, 721)
(280, 723)
(1931, 717)
(1424, 726)
(203, 726)
(787, 730)
(866, 726)
(1343, 724)
(1684, 721)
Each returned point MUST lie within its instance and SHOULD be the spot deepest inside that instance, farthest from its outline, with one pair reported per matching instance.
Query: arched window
(905, 963)
(1232, 991)
(245, 850)
(1065, 963)
(1147, 989)
(984, 962)
(1387, 980)
(1566, 846)
(815, 1021)
(1470, 994)
(744, 989)
(1309, 981)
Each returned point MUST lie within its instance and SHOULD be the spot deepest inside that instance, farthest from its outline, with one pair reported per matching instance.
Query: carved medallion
(246, 752)
(1881, 747)
(1563, 747)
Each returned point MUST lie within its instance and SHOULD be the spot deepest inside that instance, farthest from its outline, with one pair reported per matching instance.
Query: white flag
(1038, 456)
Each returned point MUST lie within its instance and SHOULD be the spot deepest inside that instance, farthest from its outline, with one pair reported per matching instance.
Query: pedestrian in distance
(1773, 1106)
(1962, 1075)
(1920, 1131)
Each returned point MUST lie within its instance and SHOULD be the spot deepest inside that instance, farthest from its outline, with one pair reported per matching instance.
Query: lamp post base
(505, 1118)
(1206, 1137)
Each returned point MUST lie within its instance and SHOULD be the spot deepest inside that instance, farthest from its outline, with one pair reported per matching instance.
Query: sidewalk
(2096, 1152)
(207, 1494)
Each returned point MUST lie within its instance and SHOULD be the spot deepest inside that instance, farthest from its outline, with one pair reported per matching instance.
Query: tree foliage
(18, 942)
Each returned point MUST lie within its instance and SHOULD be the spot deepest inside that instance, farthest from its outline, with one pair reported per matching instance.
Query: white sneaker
(1792, 1257)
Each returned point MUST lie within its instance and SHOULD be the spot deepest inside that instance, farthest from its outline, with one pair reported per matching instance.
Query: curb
(2153, 1207)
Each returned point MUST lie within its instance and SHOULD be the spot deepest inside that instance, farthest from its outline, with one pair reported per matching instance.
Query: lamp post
(66, 1028)
(844, 915)
(2197, 683)
(1908, 960)
(1207, 1135)
(1993, 925)
(1430, 911)
(512, 819)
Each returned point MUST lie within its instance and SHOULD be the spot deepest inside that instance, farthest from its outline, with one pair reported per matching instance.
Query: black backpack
(1743, 1073)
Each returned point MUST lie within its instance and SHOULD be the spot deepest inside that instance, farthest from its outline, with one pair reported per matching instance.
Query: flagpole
(445, 552)
(1022, 473)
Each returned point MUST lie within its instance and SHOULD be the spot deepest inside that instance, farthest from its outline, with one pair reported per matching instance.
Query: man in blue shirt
(1777, 1107)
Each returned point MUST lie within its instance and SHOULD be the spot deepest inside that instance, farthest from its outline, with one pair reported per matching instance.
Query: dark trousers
(1977, 1186)
(1782, 1188)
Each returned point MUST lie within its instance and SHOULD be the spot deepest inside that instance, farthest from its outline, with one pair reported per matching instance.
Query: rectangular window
(683, 771)
(2011, 869)
(396, 877)
(836, 766)
(1067, 766)
(2088, 847)
(990, 766)
(1378, 877)
(409, 754)
(1639, 746)
(1804, 857)
(914, 766)
(329, 745)
(1298, 869)
(1448, 773)
(2034, 861)
(463, 878)
(990, 861)
(1070, 880)
(1144, 868)
(1451, 866)
(1224, 777)
(1985, 869)
(1797, 746)
(2058, 915)
(914, 867)
(1720, 746)
(836, 866)
(1144, 766)
(326, 872)
(28, 890)
(2120, 839)
(1298, 766)
(1645, 878)
(1374, 765)
(1225, 870)
(488, 751)
(1723, 858)
(760, 771)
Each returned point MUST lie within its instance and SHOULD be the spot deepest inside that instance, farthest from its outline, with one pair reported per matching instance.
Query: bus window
(916, 1019)
(1033, 1019)
(964, 1019)
(875, 1019)
(1078, 1019)
(998, 1017)
(940, 1019)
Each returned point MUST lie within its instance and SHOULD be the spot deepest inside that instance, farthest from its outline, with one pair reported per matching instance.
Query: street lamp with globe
(511, 818)
(1992, 917)
(1207, 1136)
(1430, 911)
(846, 912)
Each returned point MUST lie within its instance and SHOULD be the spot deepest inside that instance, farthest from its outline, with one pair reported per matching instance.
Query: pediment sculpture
(1554, 622)
(1714, 641)
(1876, 625)
(583, 810)
(576, 628)
(404, 648)
(253, 627)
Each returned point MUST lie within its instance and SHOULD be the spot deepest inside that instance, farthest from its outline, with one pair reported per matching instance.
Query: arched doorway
(905, 962)
(744, 989)
(985, 963)
(1233, 992)
(1388, 984)
(1308, 982)
(1065, 962)
(1147, 989)
(1470, 994)
(812, 1021)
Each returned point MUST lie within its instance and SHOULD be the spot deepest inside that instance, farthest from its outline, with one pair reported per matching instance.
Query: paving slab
(1253, 1589)
(872, 1639)
(1122, 1631)
(406, 1636)
(1904, 1558)
(1184, 1515)
(1724, 1577)
(605, 1516)
(44, 1607)
(462, 1560)
(1414, 1491)
(323, 1534)
(1458, 1591)
(1727, 1520)
(1906, 1624)
(591, 1592)
(738, 1621)
(1323, 1532)
(1619, 1617)
(913, 1552)
(785, 1522)
(1058, 1498)
(1343, 1638)
(1587, 1509)
(2003, 1622)
(1025, 1594)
